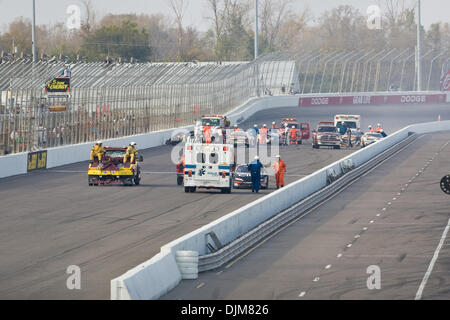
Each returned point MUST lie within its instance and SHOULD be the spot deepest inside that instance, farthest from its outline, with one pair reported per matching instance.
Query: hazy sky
(51, 11)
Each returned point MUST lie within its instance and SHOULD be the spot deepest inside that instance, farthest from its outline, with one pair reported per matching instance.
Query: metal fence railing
(110, 100)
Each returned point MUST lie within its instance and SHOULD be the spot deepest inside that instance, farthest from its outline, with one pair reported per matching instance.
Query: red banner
(368, 99)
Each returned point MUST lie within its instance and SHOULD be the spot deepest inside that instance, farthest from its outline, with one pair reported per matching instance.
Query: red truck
(303, 130)
(326, 134)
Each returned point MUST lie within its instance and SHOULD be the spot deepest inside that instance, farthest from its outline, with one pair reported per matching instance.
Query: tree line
(230, 37)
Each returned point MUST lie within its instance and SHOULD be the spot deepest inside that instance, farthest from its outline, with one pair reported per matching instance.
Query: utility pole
(34, 31)
(256, 30)
(419, 48)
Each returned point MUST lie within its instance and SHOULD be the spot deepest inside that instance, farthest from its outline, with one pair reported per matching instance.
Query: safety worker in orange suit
(207, 133)
(263, 134)
(280, 168)
(371, 129)
(293, 134)
(131, 153)
(379, 128)
(180, 168)
(97, 152)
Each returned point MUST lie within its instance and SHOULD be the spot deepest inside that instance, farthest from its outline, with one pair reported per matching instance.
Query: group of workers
(255, 167)
(290, 134)
(379, 129)
(97, 153)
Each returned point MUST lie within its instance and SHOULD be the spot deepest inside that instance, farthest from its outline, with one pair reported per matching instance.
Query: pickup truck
(327, 135)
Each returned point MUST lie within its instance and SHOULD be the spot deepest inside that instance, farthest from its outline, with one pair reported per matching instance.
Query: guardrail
(232, 229)
(240, 245)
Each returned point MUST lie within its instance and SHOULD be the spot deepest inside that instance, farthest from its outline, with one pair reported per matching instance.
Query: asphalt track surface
(51, 219)
(393, 218)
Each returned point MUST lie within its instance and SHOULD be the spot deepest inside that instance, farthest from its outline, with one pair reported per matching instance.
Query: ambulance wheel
(193, 189)
(187, 189)
(266, 184)
(226, 190)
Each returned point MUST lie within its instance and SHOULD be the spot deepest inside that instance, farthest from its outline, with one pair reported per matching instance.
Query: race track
(51, 219)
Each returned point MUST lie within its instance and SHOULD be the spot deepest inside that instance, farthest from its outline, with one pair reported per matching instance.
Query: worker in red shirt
(280, 168)
(293, 134)
(371, 129)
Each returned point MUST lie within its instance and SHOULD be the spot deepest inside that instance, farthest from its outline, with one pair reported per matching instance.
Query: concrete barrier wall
(13, 164)
(148, 280)
(244, 219)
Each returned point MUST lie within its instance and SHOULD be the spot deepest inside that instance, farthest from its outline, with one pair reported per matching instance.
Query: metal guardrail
(335, 183)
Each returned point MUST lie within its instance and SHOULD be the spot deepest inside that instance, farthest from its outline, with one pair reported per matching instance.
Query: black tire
(337, 147)
(187, 189)
(266, 184)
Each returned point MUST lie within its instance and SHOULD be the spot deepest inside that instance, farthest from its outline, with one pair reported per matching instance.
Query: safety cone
(439, 118)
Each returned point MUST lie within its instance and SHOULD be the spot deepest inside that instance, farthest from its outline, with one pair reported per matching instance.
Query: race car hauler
(208, 166)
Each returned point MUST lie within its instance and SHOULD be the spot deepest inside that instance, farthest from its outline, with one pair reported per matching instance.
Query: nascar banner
(58, 85)
(372, 99)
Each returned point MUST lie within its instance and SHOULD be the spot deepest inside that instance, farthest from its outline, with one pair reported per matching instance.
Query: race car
(111, 169)
(243, 179)
(370, 138)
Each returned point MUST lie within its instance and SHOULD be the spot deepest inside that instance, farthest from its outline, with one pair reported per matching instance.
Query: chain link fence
(111, 100)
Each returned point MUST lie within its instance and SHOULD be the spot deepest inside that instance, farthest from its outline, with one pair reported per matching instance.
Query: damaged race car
(111, 169)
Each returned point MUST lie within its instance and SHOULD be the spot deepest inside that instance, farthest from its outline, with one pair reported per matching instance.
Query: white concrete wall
(13, 164)
(148, 280)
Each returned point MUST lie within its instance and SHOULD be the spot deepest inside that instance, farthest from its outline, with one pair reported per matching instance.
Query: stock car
(111, 169)
(243, 179)
(369, 138)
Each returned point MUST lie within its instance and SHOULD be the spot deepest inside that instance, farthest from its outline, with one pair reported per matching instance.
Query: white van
(208, 166)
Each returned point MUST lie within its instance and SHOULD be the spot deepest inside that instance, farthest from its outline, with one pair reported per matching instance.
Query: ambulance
(351, 121)
(208, 166)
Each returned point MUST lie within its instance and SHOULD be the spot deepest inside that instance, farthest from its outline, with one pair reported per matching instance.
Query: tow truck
(303, 129)
(326, 135)
(111, 169)
(217, 123)
(208, 166)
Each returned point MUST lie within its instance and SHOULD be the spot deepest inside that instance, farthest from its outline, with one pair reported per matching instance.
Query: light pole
(419, 49)
(34, 31)
(256, 30)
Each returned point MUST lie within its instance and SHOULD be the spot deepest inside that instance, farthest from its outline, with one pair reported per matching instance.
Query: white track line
(431, 266)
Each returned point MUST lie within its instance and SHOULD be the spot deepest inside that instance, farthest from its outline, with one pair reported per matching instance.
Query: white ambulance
(208, 166)
(351, 121)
